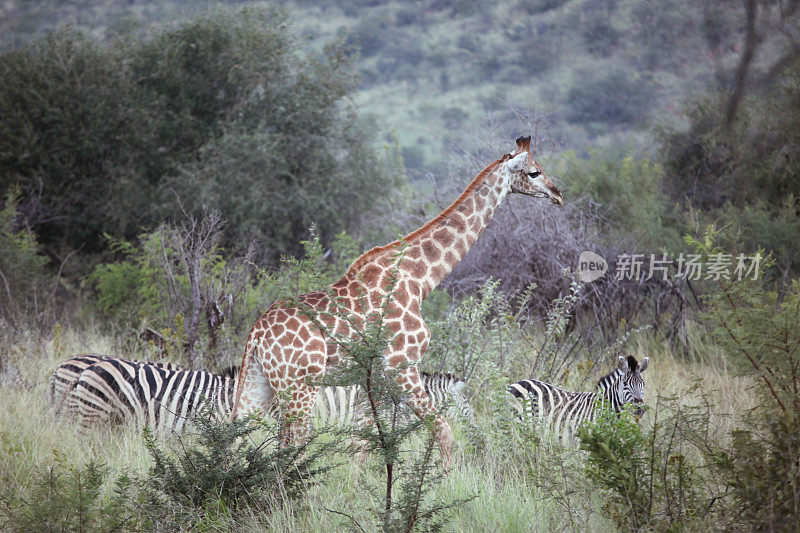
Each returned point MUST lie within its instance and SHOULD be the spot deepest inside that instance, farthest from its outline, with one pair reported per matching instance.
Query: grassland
(504, 498)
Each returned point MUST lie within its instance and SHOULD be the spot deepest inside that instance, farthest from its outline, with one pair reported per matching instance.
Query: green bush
(610, 95)
(760, 331)
(654, 478)
(220, 109)
(226, 469)
(73, 499)
(631, 194)
(23, 280)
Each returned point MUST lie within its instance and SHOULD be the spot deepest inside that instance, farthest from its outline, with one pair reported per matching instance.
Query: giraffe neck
(433, 251)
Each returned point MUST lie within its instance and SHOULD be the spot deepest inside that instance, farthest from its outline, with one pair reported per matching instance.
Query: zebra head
(625, 384)
(632, 381)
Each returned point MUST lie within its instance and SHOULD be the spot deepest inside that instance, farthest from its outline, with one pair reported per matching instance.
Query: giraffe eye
(534, 173)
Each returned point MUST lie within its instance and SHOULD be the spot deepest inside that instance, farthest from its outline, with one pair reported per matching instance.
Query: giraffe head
(527, 176)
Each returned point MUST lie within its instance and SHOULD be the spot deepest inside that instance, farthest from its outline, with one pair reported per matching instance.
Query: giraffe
(286, 352)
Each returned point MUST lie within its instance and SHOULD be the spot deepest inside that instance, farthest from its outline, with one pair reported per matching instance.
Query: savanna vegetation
(163, 183)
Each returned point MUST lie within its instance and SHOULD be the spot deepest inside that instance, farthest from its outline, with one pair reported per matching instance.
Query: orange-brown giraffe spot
(401, 295)
(438, 272)
(277, 329)
(413, 288)
(396, 360)
(316, 346)
(314, 369)
(432, 252)
(304, 334)
(461, 247)
(371, 274)
(458, 223)
(297, 342)
(293, 324)
(411, 323)
(450, 258)
(468, 206)
(444, 237)
(355, 290)
(419, 270)
(393, 326)
(398, 342)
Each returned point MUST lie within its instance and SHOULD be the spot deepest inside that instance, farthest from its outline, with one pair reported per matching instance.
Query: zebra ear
(643, 365)
(622, 365)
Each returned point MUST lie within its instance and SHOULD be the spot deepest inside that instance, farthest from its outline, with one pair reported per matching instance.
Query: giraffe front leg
(421, 404)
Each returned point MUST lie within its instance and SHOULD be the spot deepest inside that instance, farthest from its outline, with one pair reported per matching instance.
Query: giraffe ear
(524, 143)
(517, 162)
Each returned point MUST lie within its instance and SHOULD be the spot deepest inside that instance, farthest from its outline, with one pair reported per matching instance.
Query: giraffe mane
(371, 254)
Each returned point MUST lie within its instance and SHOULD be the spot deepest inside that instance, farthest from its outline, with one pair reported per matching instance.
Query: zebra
(339, 406)
(563, 411)
(67, 374)
(115, 391)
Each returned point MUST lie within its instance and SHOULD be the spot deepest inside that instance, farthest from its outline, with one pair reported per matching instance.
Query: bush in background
(26, 290)
(221, 109)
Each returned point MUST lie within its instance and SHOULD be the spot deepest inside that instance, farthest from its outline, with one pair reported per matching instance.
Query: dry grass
(504, 500)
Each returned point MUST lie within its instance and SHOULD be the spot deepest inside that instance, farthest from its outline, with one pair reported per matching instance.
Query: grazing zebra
(339, 406)
(114, 391)
(563, 411)
(67, 374)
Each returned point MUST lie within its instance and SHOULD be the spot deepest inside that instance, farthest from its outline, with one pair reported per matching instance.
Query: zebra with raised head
(115, 391)
(563, 411)
(340, 406)
(67, 374)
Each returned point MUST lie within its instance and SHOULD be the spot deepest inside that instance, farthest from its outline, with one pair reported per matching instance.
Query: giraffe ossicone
(286, 351)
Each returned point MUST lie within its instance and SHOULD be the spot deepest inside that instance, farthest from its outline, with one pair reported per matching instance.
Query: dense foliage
(221, 110)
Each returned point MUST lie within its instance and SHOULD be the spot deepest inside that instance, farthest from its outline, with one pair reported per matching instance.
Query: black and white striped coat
(562, 411)
(340, 406)
(67, 374)
(115, 391)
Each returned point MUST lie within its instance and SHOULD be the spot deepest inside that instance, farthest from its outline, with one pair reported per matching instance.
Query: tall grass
(510, 493)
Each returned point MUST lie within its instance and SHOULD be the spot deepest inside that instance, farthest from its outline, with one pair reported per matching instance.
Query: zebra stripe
(340, 406)
(67, 374)
(563, 411)
(114, 391)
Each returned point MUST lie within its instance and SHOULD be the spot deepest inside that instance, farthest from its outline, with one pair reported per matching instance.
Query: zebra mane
(443, 377)
(613, 376)
(231, 372)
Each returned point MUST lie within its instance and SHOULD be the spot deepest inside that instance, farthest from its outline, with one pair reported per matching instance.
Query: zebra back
(340, 406)
(115, 391)
(562, 411)
(67, 374)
